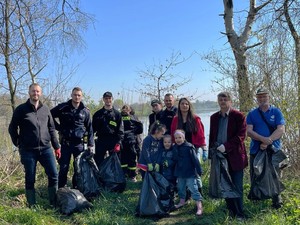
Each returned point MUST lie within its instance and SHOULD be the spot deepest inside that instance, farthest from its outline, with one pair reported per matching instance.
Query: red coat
(198, 138)
(236, 133)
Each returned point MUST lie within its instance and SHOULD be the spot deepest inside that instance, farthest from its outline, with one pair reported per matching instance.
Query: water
(205, 118)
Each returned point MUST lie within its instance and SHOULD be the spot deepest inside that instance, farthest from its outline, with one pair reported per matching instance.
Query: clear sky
(130, 34)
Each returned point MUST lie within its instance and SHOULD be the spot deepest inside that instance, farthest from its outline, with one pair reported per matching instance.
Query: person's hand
(156, 167)
(204, 155)
(117, 148)
(221, 148)
(263, 146)
(165, 163)
(150, 167)
(57, 153)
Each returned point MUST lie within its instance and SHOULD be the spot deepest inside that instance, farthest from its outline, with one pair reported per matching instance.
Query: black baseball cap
(155, 101)
(107, 94)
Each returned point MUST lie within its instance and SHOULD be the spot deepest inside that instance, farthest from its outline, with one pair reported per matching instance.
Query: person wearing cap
(156, 112)
(108, 128)
(169, 112)
(227, 133)
(32, 130)
(262, 137)
(74, 124)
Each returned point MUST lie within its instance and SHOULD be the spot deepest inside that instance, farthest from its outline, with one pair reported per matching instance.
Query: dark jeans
(29, 159)
(128, 159)
(235, 205)
(67, 150)
(103, 145)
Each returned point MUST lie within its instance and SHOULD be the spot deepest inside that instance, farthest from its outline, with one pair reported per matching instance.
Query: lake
(205, 117)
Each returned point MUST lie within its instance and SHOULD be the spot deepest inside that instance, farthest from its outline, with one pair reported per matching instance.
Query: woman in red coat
(191, 123)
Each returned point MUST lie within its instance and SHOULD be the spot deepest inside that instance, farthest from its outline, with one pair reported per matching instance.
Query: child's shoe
(180, 204)
(199, 208)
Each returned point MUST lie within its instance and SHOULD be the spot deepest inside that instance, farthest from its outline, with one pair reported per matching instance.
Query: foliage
(115, 208)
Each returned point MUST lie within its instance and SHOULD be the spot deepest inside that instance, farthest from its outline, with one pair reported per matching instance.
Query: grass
(114, 208)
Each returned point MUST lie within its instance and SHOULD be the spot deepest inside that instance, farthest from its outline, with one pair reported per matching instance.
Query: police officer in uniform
(108, 127)
(74, 122)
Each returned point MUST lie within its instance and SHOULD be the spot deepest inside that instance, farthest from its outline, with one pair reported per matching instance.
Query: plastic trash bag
(71, 200)
(265, 183)
(111, 174)
(155, 198)
(86, 175)
(220, 182)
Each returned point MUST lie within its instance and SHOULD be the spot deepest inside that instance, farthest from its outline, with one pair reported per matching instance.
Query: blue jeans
(67, 150)
(199, 155)
(191, 184)
(29, 159)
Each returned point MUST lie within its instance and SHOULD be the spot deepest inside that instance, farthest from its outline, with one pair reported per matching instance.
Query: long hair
(190, 120)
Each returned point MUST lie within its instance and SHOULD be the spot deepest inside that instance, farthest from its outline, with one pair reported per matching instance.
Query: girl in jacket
(187, 169)
(150, 157)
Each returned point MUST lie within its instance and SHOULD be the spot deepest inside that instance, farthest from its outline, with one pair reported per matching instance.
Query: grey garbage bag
(71, 200)
(220, 182)
(265, 183)
(86, 175)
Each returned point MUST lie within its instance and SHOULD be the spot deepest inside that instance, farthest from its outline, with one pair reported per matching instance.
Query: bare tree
(239, 47)
(32, 33)
(160, 78)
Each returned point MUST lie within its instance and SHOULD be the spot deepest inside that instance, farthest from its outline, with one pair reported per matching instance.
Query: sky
(130, 34)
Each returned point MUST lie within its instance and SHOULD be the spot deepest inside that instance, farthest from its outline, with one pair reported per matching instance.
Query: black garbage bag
(71, 200)
(111, 174)
(265, 183)
(86, 175)
(155, 197)
(220, 182)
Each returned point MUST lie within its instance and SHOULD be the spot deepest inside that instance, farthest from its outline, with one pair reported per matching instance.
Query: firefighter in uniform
(132, 128)
(108, 127)
(74, 122)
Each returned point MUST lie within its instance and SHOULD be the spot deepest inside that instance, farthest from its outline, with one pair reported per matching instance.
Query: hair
(179, 131)
(190, 120)
(156, 127)
(33, 84)
(167, 136)
(225, 94)
(169, 95)
(76, 89)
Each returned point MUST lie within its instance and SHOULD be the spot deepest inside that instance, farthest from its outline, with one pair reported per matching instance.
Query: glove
(204, 155)
(150, 167)
(156, 167)
(117, 148)
(221, 148)
(57, 153)
(165, 163)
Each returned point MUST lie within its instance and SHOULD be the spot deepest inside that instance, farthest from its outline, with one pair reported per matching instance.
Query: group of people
(175, 144)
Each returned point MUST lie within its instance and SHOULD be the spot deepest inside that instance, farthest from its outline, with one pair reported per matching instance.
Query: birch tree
(239, 46)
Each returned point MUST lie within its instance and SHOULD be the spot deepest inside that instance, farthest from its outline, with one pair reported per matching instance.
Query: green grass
(115, 208)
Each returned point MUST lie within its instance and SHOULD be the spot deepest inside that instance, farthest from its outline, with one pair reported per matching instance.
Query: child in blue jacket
(187, 169)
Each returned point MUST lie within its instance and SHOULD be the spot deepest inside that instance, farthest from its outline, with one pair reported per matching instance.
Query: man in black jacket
(108, 126)
(32, 130)
(74, 123)
(169, 112)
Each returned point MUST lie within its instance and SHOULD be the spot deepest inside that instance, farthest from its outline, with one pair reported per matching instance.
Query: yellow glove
(150, 167)
(156, 167)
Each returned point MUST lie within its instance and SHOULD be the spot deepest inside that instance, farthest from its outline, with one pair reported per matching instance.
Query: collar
(226, 113)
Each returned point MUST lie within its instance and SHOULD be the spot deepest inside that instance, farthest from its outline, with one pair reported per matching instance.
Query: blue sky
(130, 34)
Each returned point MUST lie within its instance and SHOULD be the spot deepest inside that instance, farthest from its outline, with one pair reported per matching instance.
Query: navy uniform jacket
(73, 123)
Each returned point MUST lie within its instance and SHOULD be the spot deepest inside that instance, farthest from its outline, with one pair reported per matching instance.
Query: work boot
(52, 195)
(277, 202)
(30, 196)
(199, 208)
(180, 204)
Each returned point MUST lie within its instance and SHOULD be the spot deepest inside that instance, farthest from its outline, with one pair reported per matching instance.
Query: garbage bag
(111, 174)
(220, 182)
(155, 196)
(86, 175)
(71, 200)
(265, 183)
